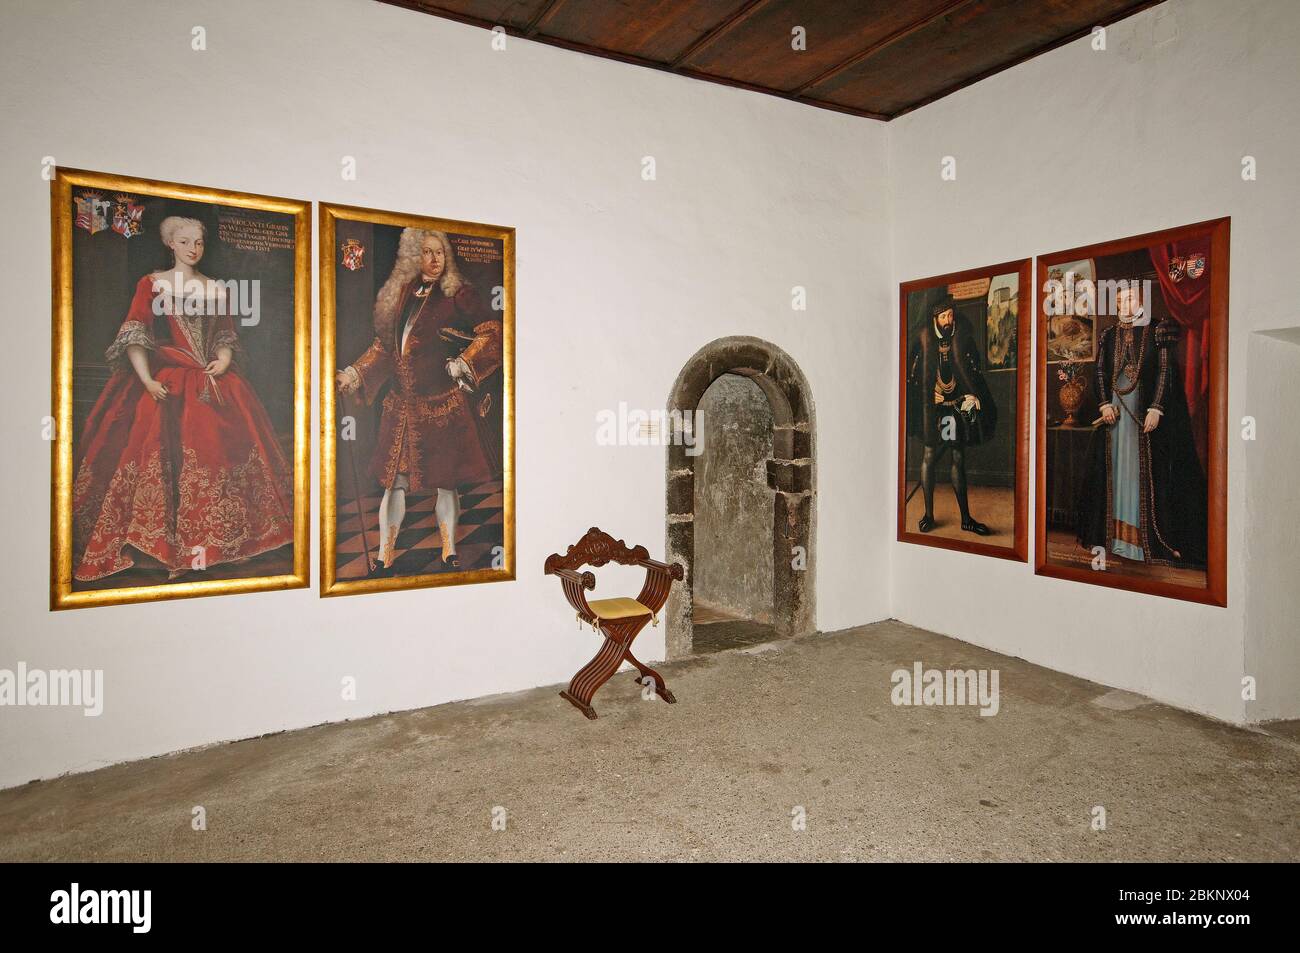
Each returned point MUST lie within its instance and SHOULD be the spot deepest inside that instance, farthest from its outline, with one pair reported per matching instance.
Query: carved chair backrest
(596, 548)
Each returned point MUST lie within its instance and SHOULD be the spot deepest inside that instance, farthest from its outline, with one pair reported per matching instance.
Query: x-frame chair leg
(618, 640)
(649, 674)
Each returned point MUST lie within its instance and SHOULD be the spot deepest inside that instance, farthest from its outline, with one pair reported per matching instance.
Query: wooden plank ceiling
(873, 58)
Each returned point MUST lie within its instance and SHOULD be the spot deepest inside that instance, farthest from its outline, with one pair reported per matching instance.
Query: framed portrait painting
(181, 336)
(963, 422)
(1132, 413)
(417, 401)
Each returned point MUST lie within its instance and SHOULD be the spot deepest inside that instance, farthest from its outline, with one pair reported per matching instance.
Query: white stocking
(392, 510)
(447, 508)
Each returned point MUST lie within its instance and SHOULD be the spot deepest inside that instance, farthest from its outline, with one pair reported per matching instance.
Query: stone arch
(791, 481)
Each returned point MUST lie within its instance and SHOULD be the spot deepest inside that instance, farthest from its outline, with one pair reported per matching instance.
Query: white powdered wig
(406, 268)
(174, 223)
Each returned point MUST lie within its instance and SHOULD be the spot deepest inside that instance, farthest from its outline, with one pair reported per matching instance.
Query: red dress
(199, 469)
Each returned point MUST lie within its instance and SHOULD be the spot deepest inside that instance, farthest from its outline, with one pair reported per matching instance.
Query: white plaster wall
(1272, 611)
(619, 282)
(1080, 146)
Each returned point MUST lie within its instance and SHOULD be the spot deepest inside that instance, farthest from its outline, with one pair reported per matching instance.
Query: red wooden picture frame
(1019, 549)
(1215, 592)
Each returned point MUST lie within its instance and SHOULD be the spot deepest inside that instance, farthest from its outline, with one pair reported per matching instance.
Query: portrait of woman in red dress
(178, 465)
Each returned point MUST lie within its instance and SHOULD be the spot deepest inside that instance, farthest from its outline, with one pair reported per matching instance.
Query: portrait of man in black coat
(949, 405)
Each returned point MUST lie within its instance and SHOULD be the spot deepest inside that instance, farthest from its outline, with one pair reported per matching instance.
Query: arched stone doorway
(790, 483)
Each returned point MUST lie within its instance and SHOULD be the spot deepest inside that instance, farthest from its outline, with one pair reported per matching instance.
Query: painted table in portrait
(181, 336)
(417, 401)
(1132, 413)
(963, 399)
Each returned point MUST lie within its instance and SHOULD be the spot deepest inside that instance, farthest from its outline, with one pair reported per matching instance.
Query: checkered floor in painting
(419, 549)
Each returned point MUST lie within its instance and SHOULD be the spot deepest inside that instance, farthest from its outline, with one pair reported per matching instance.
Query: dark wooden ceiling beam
(733, 20)
(577, 47)
(900, 34)
(534, 29)
(542, 17)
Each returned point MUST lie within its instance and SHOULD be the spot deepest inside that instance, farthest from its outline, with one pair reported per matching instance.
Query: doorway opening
(741, 499)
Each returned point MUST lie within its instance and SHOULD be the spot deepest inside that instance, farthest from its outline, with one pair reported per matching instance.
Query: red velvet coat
(432, 430)
(199, 469)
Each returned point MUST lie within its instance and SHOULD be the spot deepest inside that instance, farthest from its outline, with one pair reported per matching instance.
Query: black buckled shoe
(926, 524)
(976, 527)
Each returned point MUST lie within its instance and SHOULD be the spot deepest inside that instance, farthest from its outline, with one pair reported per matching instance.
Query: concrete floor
(756, 733)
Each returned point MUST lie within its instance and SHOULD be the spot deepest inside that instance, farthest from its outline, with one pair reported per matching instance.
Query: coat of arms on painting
(92, 211)
(127, 216)
(354, 254)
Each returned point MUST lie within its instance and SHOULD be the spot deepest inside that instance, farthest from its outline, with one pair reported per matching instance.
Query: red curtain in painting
(1183, 270)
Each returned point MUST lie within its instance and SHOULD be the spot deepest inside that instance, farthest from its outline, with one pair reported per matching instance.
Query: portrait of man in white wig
(436, 345)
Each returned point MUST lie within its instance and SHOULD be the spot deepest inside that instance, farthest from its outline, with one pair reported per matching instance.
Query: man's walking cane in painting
(356, 495)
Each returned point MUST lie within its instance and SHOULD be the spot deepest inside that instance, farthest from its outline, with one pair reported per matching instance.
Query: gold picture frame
(357, 256)
(1009, 397)
(1183, 274)
(63, 593)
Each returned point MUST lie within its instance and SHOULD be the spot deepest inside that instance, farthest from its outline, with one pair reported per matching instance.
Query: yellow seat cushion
(621, 608)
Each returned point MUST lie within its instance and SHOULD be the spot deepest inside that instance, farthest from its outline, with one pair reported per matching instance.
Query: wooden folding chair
(618, 620)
